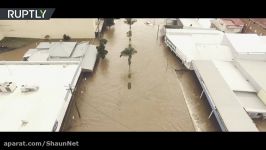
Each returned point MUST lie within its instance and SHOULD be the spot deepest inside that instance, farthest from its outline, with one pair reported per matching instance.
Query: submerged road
(155, 101)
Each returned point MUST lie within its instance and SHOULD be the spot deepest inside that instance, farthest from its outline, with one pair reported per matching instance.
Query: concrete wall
(55, 28)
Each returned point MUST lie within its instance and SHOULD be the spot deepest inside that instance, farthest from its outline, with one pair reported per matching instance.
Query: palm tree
(130, 22)
(101, 48)
(129, 51)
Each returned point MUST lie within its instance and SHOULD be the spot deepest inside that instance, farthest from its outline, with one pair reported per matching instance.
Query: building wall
(55, 28)
(221, 26)
(251, 27)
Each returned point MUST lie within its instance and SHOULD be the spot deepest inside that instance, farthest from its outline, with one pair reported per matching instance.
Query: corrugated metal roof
(89, 59)
(62, 49)
(41, 55)
(80, 50)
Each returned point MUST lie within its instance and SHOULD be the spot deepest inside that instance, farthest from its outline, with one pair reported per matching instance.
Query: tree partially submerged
(129, 51)
(101, 48)
(66, 37)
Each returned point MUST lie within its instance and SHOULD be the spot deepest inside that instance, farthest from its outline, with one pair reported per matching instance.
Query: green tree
(101, 48)
(129, 51)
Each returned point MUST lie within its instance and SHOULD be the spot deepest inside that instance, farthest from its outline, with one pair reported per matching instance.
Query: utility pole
(71, 90)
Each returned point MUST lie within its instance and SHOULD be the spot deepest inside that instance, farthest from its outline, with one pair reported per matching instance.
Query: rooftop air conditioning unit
(7, 87)
(28, 88)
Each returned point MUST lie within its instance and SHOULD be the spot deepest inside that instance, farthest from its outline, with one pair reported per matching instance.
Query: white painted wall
(56, 28)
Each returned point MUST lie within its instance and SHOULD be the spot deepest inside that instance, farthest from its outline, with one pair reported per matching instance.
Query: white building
(197, 44)
(55, 28)
(231, 70)
(44, 108)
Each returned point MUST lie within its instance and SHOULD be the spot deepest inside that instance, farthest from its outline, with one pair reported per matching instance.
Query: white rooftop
(196, 22)
(255, 71)
(198, 45)
(246, 43)
(80, 50)
(45, 45)
(62, 49)
(228, 110)
(233, 77)
(89, 59)
(39, 109)
(41, 55)
(242, 86)
(192, 31)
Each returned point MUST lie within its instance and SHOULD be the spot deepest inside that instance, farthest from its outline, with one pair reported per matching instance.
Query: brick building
(254, 25)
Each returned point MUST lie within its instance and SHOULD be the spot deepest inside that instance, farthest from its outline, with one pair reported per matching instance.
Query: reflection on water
(155, 102)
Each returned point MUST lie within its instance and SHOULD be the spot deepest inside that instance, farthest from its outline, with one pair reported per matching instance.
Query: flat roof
(39, 109)
(194, 31)
(246, 43)
(198, 46)
(251, 102)
(255, 71)
(233, 77)
(244, 90)
(230, 110)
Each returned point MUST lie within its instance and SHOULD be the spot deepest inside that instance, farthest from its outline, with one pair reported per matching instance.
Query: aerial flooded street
(154, 103)
(161, 98)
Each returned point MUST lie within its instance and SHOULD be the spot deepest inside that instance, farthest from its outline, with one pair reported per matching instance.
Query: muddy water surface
(159, 97)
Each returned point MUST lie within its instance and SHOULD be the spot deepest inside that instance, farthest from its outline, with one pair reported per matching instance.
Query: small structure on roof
(7, 87)
(232, 25)
(28, 88)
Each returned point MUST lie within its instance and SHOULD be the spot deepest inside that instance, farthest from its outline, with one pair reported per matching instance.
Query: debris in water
(129, 85)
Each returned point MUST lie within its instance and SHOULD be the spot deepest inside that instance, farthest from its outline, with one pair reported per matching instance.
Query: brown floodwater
(17, 54)
(160, 98)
